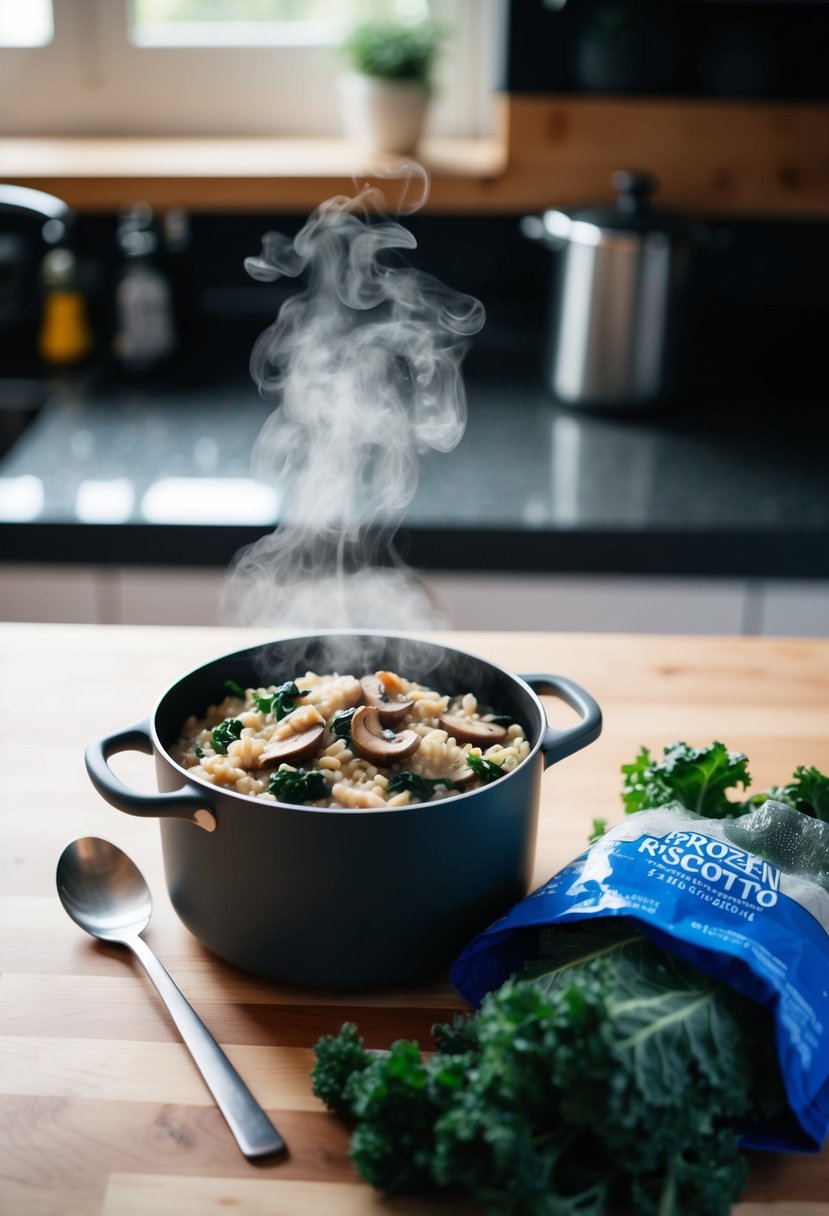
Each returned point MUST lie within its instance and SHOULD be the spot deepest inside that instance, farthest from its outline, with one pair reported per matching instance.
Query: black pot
(344, 898)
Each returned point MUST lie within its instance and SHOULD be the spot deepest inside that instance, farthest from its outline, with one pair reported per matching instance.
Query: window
(219, 67)
(257, 22)
(25, 24)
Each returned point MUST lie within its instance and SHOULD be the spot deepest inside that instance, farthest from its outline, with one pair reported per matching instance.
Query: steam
(364, 368)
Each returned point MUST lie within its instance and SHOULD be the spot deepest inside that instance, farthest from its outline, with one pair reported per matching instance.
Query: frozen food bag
(746, 900)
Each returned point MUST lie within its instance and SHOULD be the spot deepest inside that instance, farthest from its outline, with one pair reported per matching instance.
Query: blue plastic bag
(692, 891)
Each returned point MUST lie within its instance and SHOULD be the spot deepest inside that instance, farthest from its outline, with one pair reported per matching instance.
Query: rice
(237, 744)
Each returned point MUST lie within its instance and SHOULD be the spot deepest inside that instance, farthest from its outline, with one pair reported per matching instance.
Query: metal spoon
(105, 893)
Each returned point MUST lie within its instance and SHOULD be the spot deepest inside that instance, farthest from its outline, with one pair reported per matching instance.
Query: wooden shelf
(224, 174)
(715, 156)
(709, 155)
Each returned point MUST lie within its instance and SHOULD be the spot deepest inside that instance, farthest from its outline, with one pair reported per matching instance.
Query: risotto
(380, 741)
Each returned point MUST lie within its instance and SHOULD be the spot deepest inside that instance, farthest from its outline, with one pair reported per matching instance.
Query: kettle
(618, 316)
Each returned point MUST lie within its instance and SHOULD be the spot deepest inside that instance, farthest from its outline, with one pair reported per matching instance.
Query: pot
(335, 897)
(382, 115)
(619, 298)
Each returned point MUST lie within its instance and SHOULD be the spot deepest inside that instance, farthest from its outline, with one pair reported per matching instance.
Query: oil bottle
(145, 336)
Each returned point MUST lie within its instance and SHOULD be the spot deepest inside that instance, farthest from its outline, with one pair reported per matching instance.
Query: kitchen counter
(143, 476)
(101, 1109)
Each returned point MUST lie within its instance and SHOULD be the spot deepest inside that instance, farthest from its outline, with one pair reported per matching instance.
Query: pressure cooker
(620, 298)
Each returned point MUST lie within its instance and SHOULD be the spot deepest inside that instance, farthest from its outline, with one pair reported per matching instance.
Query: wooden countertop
(102, 1112)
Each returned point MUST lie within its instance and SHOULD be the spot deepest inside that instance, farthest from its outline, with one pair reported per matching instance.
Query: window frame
(91, 80)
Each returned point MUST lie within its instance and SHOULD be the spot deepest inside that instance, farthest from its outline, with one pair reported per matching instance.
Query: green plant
(566, 1094)
(394, 50)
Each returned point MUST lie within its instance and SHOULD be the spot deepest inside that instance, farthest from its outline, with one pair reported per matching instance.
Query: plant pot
(383, 115)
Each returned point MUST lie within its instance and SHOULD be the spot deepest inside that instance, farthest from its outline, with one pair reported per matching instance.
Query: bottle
(65, 336)
(177, 261)
(145, 329)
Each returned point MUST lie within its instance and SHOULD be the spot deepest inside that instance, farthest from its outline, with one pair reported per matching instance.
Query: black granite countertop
(731, 481)
(153, 476)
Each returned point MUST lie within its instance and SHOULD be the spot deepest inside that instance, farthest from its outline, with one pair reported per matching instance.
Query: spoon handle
(253, 1130)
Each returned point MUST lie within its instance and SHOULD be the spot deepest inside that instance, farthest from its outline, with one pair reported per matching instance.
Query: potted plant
(386, 93)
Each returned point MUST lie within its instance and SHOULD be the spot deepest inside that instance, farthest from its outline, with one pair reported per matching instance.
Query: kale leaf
(613, 1076)
(341, 724)
(298, 785)
(699, 778)
(487, 770)
(339, 1058)
(224, 734)
(696, 777)
(235, 689)
(281, 701)
(420, 787)
(598, 828)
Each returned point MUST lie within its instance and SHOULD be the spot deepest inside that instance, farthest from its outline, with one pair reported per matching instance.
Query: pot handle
(557, 744)
(186, 803)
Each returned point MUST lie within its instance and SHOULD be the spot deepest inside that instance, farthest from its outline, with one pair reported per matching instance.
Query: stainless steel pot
(344, 898)
(619, 295)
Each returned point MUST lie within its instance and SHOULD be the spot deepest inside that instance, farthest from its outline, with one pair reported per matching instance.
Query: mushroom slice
(384, 692)
(374, 742)
(300, 745)
(472, 730)
(461, 776)
(296, 737)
